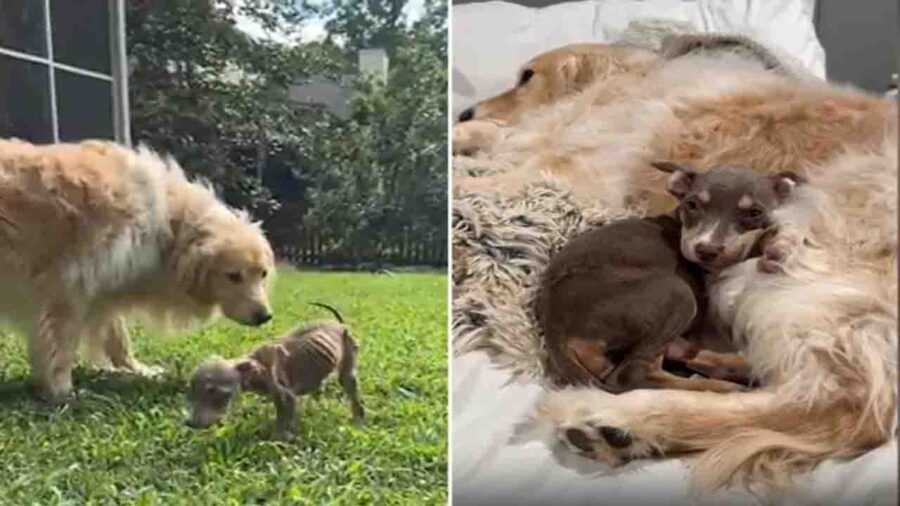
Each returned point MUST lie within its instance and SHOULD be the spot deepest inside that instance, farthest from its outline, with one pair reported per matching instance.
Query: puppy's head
(230, 265)
(216, 383)
(724, 211)
(554, 75)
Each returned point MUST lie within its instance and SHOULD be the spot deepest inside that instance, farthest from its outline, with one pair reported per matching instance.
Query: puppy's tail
(337, 315)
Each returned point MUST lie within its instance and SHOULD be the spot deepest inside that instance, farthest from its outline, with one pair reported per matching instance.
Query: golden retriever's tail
(753, 438)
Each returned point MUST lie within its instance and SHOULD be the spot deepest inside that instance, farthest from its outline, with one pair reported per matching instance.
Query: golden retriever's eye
(527, 74)
(235, 277)
(264, 273)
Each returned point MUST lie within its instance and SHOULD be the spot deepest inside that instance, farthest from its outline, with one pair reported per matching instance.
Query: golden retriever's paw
(137, 368)
(594, 423)
(475, 135)
(150, 371)
(600, 442)
(55, 396)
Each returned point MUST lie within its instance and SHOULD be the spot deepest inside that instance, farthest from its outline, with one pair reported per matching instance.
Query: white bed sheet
(491, 40)
(488, 467)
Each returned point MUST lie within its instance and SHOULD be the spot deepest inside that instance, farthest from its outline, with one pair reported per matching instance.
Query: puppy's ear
(249, 368)
(681, 179)
(283, 352)
(785, 182)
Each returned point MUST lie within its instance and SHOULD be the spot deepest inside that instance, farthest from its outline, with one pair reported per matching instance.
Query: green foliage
(217, 100)
(124, 440)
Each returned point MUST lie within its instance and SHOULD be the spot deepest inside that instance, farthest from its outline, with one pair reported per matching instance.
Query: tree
(217, 100)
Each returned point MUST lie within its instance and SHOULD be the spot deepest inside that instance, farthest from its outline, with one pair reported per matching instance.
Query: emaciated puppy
(614, 299)
(294, 365)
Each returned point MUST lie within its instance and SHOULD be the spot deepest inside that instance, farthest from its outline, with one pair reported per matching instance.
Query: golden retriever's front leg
(642, 423)
(52, 350)
(117, 347)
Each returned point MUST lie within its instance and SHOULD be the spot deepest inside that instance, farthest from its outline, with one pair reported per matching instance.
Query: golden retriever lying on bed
(594, 116)
(92, 231)
(822, 334)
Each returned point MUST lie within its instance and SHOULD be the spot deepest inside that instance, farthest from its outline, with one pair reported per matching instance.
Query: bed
(493, 462)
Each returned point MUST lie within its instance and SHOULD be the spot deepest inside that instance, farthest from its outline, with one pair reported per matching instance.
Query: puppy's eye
(235, 277)
(691, 206)
(264, 274)
(753, 214)
(527, 74)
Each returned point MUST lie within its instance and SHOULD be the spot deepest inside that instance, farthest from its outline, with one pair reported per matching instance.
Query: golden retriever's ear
(577, 70)
(192, 264)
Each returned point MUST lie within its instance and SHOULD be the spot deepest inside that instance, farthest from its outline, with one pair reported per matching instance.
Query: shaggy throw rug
(501, 244)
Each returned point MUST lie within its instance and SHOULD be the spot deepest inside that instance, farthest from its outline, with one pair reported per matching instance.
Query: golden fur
(92, 231)
(822, 334)
(599, 137)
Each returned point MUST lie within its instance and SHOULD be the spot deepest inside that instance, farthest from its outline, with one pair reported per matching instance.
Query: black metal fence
(314, 248)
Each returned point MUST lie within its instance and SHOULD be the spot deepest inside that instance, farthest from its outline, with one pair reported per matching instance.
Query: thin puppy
(616, 300)
(296, 364)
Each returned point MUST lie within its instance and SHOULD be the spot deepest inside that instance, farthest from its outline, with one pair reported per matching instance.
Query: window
(63, 74)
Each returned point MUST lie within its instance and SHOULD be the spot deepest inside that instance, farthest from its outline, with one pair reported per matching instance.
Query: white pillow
(491, 40)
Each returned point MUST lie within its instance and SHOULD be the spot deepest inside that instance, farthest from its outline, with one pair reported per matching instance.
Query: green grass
(124, 441)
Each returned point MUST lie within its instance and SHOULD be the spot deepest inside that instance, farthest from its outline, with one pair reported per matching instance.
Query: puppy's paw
(284, 434)
(776, 252)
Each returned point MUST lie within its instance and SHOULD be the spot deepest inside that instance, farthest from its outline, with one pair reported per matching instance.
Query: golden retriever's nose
(467, 115)
(261, 317)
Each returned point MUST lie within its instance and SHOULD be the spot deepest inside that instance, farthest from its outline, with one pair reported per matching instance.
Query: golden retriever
(822, 334)
(594, 117)
(92, 231)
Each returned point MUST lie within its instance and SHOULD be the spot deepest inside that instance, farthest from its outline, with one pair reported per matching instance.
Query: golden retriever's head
(556, 74)
(230, 265)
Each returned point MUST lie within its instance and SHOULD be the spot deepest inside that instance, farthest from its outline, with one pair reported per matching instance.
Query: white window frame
(118, 63)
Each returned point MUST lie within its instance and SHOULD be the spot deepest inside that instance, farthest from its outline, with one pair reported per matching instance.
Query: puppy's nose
(261, 317)
(707, 252)
(467, 114)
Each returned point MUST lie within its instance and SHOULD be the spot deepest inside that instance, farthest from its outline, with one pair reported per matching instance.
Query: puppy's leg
(668, 308)
(581, 362)
(286, 413)
(117, 347)
(724, 366)
(641, 373)
(52, 351)
(347, 377)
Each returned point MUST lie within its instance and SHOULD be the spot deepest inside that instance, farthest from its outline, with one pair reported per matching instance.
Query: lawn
(124, 441)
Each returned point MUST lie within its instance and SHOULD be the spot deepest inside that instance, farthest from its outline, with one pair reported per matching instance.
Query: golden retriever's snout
(467, 115)
(261, 317)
